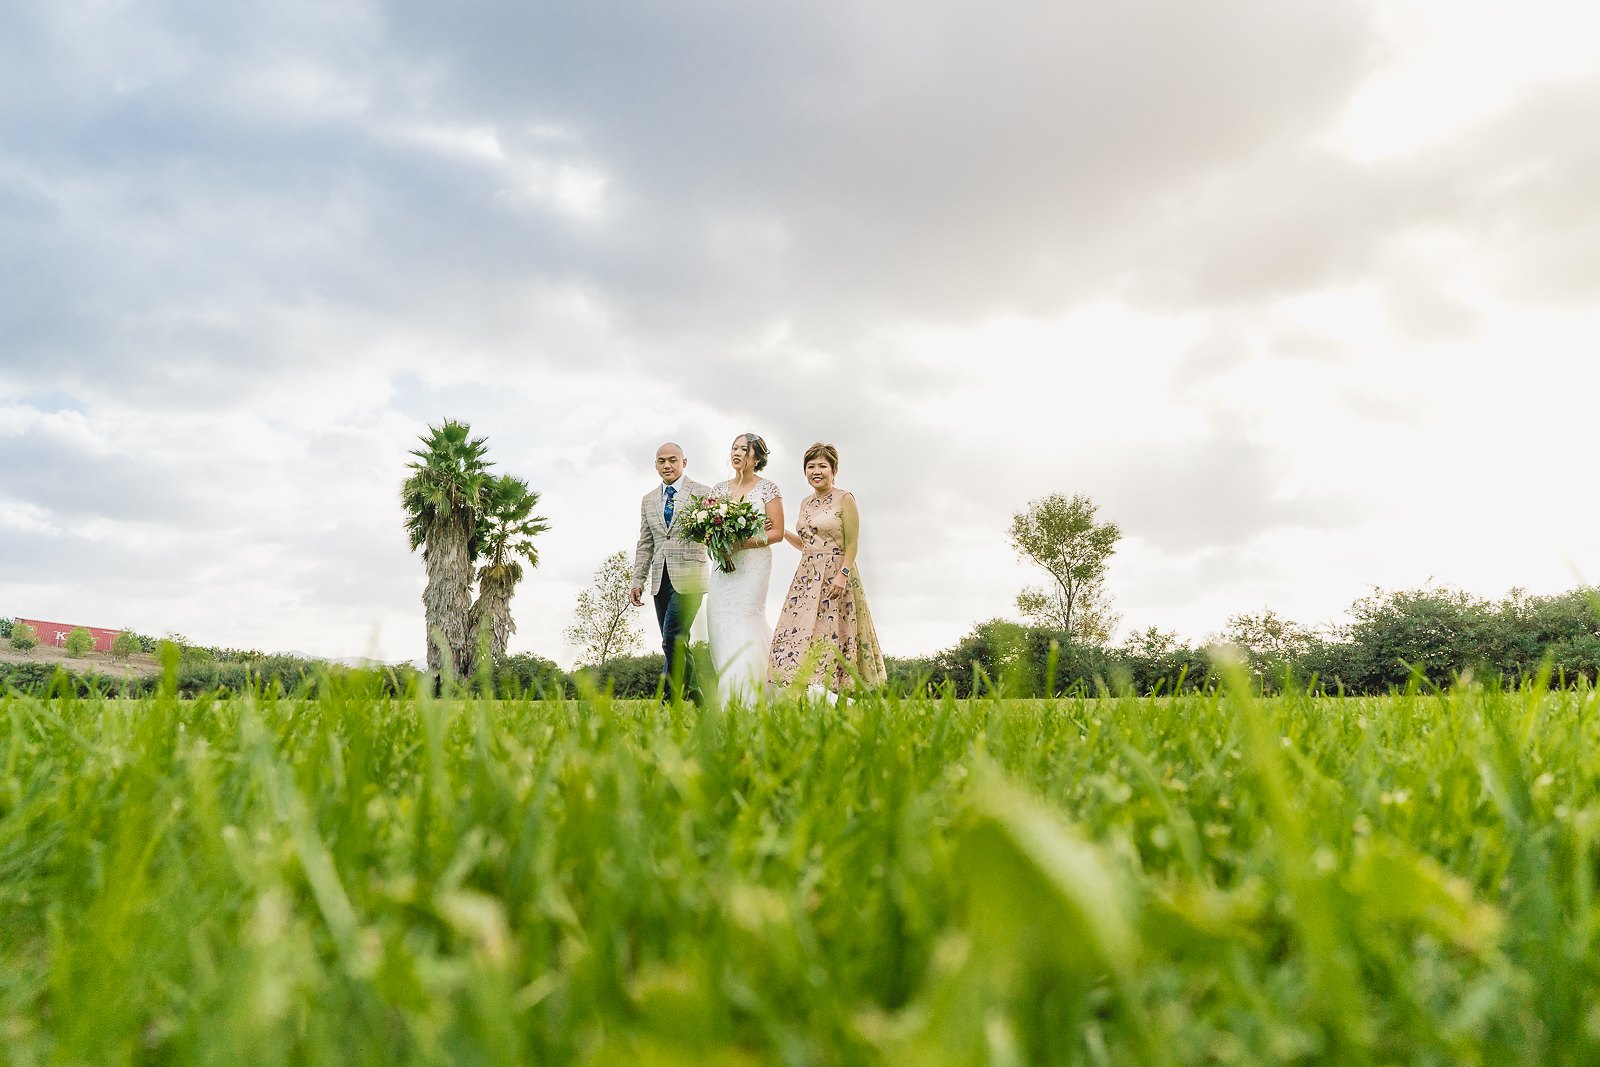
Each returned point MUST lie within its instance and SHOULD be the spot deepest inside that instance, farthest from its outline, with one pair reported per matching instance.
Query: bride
(736, 606)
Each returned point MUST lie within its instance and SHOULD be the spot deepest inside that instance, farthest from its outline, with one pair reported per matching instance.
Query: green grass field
(1191, 880)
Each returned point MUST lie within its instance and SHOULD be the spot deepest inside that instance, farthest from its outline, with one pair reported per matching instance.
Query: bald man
(669, 564)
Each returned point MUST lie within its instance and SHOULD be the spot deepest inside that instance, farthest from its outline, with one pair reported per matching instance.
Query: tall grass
(361, 879)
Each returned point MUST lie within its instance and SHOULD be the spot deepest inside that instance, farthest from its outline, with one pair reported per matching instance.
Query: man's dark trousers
(675, 612)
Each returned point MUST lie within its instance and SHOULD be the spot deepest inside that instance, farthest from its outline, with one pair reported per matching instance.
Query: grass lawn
(1189, 880)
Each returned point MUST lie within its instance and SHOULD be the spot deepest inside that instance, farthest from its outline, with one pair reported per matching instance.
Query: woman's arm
(850, 518)
(775, 530)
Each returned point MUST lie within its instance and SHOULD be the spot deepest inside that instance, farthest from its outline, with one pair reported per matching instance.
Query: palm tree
(444, 503)
(505, 532)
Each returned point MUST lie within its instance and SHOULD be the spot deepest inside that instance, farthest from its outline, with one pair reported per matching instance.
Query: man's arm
(641, 559)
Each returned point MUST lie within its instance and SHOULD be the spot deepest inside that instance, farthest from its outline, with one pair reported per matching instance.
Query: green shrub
(290, 673)
(1001, 656)
(79, 643)
(632, 677)
(25, 677)
(238, 655)
(124, 645)
(5, 627)
(24, 638)
(911, 675)
(196, 677)
(526, 673)
(192, 654)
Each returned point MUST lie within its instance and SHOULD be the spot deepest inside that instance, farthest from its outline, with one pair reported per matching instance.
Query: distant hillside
(139, 665)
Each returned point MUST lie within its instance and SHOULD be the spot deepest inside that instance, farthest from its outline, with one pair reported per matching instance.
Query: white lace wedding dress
(736, 612)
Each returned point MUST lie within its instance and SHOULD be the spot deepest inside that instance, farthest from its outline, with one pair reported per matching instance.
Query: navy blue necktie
(666, 512)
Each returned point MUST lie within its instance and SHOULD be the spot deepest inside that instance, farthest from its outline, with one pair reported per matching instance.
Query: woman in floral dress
(824, 624)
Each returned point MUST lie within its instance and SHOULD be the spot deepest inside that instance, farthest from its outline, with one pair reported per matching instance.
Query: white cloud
(1458, 62)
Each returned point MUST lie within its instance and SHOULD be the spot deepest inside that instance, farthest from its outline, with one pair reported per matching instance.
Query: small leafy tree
(1270, 643)
(24, 638)
(602, 627)
(1061, 536)
(125, 645)
(79, 642)
(5, 627)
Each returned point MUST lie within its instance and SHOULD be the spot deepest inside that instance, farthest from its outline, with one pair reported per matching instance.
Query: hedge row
(1431, 636)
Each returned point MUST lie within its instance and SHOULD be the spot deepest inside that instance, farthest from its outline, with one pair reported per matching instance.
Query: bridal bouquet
(721, 524)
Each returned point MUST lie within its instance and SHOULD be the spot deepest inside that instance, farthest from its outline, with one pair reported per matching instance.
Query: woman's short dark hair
(822, 451)
(758, 449)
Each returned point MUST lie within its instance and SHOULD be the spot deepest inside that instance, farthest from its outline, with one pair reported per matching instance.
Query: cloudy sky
(1306, 295)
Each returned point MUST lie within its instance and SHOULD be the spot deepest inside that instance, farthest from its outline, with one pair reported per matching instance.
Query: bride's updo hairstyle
(758, 449)
(822, 451)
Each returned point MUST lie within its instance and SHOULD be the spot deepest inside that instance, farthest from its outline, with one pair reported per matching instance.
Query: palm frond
(508, 525)
(449, 474)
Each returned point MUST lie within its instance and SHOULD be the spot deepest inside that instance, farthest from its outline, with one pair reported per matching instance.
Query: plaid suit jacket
(661, 549)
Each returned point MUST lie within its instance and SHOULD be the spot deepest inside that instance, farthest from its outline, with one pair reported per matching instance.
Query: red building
(55, 633)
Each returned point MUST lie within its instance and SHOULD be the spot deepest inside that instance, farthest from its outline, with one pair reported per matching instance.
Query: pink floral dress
(830, 636)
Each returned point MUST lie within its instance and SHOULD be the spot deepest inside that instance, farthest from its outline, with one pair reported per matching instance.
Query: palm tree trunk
(491, 615)
(447, 599)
